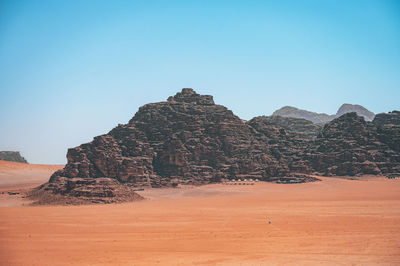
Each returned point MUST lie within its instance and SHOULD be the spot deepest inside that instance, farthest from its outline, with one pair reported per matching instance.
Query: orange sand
(333, 222)
(14, 174)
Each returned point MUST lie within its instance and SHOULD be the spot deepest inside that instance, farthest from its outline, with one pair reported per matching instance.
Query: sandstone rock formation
(12, 156)
(189, 139)
(302, 127)
(391, 118)
(286, 146)
(349, 145)
(388, 129)
(185, 140)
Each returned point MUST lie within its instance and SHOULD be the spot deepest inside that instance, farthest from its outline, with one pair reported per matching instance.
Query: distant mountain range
(289, 111)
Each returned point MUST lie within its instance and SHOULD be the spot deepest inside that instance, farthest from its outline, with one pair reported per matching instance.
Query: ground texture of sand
(332, 222)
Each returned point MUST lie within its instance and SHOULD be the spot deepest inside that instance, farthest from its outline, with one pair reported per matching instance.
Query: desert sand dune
(19, 177)
(332, 222)
(17, 174)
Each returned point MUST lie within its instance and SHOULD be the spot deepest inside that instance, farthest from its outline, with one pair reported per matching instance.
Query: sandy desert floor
(332, 222)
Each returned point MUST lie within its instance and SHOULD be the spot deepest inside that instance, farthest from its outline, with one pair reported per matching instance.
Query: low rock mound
(75, 191)
(12, 156)
(294, 179)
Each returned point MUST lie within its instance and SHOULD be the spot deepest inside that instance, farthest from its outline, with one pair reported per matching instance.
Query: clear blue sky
(71, 70)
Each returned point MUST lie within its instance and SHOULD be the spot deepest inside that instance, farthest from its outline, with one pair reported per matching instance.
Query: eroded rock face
(391, 118)
(304, 128)
(388, 129)
(286, 146)
(188, 139)
(349, 145)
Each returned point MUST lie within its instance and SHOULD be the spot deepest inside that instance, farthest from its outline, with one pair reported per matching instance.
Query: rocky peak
(289, 111)
(188, 95)
(360, 110)
(349, 124)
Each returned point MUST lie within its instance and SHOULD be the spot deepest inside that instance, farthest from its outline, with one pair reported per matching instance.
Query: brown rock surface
(391, 118)
(302, 127)
(349, 145)
(388, 129)
(65, 191)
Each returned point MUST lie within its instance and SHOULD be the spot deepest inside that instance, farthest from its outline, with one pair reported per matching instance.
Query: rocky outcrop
(286, 146)
(76, 191)
(349, 146)
(391, 118)
(346, 146)
(12, 156)
(388, 129)
(321, 118)
(189, 139)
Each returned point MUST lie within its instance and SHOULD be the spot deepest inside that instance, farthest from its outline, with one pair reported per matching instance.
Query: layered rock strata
(349, 145)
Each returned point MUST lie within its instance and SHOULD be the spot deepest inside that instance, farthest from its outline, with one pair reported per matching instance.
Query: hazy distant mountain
(360, 110)
(289, 111)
